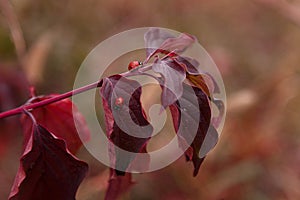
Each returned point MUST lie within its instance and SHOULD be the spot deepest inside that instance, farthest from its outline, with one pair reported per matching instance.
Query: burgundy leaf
(118, 185)
(190, 65)
(202, 82)
(193, 127)
(197, 77)
(47, 170)
(178, 44)
(173, 76)
(168, 42)
(59, 119)
(154, 38)
(208, 85)
(126, 124)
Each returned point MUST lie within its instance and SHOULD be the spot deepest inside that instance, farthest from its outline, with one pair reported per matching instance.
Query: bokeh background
(256, 45)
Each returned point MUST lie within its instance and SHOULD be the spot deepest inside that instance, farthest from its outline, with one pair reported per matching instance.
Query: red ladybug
(134, 64)
(119, 101)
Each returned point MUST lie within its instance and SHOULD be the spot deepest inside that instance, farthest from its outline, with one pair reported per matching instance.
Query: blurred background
(255, 44)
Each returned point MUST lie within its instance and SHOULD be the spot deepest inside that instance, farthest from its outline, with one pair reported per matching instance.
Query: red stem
(28, 107)
(21, 109)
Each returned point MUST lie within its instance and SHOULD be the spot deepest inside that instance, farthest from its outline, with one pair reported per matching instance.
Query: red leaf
(47, 170)
(189, 114)
(59, 119)
(186, 118)
(190, 65)
(126, 124)
(200, 81)
(169, 43)
(118, 185)
(154, 38)
(173, 76)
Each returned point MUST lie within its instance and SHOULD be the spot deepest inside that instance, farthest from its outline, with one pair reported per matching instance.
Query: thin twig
(45, 102)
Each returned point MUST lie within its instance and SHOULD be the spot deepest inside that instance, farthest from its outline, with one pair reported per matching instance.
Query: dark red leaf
(173, 76)
(201, 82)
(154, 38)
(190, 65)
(118, 185)
(47, 170)
(59, 119)
(160, 41)
(126, 124)
(186, 117)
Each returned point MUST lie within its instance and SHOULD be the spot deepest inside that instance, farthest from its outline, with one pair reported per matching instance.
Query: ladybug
(134, 64)
(118, 103)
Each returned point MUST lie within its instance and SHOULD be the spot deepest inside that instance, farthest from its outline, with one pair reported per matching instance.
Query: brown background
(256, 45)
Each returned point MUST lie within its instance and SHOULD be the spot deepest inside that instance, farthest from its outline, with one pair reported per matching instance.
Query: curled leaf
(173, 76)
(190, 65)
(126, 125)
(154, 37)
(169, 43)
(200, 81)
